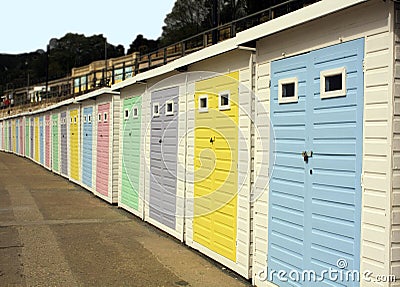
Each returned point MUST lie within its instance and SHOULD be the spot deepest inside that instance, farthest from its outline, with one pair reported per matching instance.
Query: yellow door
(215, 162)
(74, 144)
(37, 139)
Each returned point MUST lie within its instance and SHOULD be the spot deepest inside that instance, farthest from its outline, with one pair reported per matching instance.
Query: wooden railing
(99, 78)
(204, 39)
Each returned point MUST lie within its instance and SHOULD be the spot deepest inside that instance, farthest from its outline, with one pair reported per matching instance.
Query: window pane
(169, 107)
(288, 90)
(224, 98)
(333, 83)
(203, 103)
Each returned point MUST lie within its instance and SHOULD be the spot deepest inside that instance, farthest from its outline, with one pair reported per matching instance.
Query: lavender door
(32, 136)
(163, 154)
(64, 155)
(103, 147)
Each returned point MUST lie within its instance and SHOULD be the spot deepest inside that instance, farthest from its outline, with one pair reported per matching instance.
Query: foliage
(143, 45)
(72, 50)
(187, 18)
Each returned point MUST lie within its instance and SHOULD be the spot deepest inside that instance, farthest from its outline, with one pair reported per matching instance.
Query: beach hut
(73, 147)
(162, 196)
(107, 146)
(326, 154)
(9, 136)
(161, 192)
(22, 135)
(1, 135)
(55, 141)
(64, 141)
(32, 137)
(26, 135)
(36, 140)
(88, 119)
(41, 139)
(15, 130)
(47, 140)
(131, 163)
(13, 147)
(219, 210)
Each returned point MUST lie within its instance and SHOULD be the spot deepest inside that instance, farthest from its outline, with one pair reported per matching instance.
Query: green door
(131, 152)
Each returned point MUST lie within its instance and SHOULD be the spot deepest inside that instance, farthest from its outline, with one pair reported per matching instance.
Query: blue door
(41, 139)
(87, 153)
(315, 186)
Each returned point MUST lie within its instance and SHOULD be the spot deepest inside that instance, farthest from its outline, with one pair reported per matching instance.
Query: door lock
(306, 155)
(212, 140)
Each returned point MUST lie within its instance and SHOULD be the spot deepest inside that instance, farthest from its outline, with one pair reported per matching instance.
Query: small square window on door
(169, 108)
(156, 110)
(203, 103)
(74, 120)
(84, 119)
(224, 101)
(288, 91)
(126, 114)
(105, 117)
(135, 112)
(89, 119)
(333, 83)
(99, 117)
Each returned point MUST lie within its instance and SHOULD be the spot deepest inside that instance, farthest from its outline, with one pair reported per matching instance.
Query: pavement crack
(11, 246)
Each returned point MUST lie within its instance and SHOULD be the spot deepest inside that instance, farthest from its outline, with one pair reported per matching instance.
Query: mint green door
(55, 128)
(131, 117)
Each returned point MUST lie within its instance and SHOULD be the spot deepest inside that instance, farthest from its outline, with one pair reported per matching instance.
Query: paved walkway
(54, 233)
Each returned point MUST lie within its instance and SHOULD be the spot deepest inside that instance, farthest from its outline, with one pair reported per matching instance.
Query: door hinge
(269, 83)
(364, 66)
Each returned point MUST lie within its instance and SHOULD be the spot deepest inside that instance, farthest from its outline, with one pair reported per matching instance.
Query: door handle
(306, 155)
(212, 140)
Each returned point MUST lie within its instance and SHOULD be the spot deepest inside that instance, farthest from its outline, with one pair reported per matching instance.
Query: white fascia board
(76, 100)
(295, 18)
(197, 56)
(94, 94)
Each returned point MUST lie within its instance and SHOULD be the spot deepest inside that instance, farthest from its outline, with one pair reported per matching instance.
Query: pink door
(21, 137)
(103, 147)
(47, 141)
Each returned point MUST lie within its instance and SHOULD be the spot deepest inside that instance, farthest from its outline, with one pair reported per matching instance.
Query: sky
(28, 25)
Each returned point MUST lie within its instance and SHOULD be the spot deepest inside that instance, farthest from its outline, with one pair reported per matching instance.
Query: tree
(72, 50)
(143, 45)
(190, 17)
(187, 18)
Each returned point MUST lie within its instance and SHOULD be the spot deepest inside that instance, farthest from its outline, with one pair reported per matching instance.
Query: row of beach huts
(276, 150)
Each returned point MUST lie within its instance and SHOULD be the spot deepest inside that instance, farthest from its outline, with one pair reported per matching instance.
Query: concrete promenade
(54, 233)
